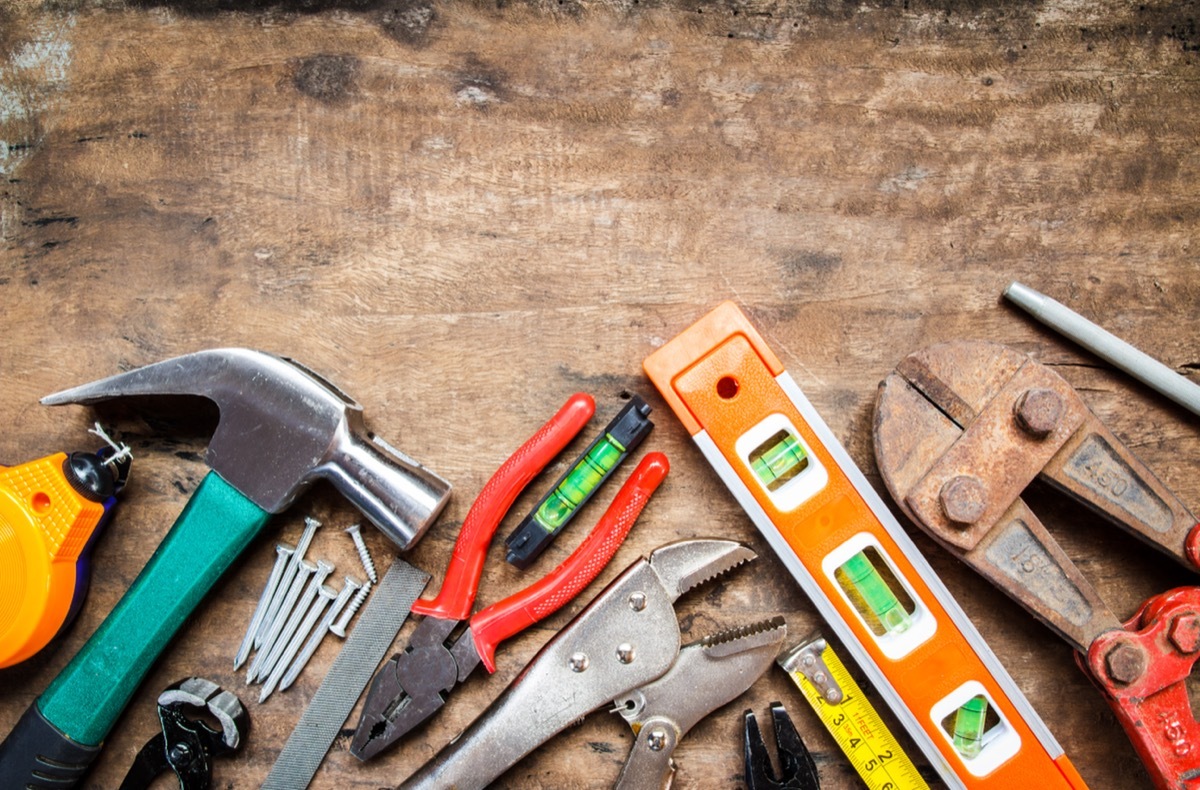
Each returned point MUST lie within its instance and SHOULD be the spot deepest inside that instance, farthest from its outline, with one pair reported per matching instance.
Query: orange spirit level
(840, 542)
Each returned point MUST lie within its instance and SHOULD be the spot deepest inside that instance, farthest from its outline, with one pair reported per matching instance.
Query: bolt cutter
(960, 430)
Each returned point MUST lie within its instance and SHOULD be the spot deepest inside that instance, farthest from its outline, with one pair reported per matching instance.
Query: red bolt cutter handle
(1154, 656)
(491, 626)
(457, 595)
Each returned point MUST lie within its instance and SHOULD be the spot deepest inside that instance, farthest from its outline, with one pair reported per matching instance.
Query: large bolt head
(1038, 411)
(1126, 663)
(964, 499)
(1185, 633)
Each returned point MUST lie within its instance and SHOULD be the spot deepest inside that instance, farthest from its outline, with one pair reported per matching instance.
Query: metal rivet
(1125, 663)
(578, 662)
(964, 500)
(1038, 411)
(637, 601)
(656, 740)
(625, 653)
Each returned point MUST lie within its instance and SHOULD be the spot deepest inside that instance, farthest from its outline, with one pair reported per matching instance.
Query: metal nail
(368, 564)
(293, 622)
(305, 572)
(338, 629)
(351, 586)
(283, 555)
(289, 573)
(325, 596)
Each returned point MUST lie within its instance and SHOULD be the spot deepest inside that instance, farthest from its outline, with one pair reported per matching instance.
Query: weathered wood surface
(463, 212)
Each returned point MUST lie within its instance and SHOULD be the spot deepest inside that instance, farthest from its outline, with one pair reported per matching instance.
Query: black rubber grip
(36, 756)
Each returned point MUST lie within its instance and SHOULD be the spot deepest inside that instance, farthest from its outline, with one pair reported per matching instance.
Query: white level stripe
(989, 659)
(825, 608)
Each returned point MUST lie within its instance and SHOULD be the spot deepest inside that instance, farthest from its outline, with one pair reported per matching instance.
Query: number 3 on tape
(842, 545)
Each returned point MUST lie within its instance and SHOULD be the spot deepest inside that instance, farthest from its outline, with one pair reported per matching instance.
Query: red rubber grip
(498, 622)
(457, 595)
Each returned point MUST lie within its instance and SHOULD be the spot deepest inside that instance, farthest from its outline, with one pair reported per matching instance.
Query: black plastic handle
(37, 756)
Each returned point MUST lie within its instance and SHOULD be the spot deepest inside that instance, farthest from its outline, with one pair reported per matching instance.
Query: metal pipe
(1141, 366)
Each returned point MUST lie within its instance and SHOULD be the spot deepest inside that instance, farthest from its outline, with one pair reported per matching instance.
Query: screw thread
(339, 628)
(363, 555)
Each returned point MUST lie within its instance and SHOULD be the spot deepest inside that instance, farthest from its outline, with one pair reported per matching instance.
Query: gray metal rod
(1141, 366)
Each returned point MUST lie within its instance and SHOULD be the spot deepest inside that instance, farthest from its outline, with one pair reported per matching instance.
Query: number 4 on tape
(841, 543)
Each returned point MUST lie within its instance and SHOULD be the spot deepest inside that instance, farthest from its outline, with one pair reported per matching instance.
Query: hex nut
(1038, 411)
(1125, 663)
(1185, 633)
(964, 500)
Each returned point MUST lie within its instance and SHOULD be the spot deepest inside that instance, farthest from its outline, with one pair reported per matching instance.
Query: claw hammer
(281, 428)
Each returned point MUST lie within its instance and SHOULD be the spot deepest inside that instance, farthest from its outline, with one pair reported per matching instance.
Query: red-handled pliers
(414, 684)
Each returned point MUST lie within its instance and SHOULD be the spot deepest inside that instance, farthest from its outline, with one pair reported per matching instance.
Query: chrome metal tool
(624, 646)
(281, 429)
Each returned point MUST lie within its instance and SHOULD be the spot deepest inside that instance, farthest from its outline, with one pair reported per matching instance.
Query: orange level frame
(725, 385)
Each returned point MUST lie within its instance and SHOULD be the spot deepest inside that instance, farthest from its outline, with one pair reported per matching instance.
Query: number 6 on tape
(840, 542)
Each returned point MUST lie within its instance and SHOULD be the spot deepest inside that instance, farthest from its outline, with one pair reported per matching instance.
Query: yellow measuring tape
(847, 714)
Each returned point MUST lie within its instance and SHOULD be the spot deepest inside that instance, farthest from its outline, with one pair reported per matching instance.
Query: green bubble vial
(969, 723)
(778, 460)
(863, 582)
(573, 490)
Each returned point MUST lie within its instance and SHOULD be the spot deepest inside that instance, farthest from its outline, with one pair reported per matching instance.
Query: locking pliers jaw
(625, 639)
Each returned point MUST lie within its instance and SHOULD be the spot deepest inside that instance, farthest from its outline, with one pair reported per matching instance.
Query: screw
(625, 653)
(637, 601)
(338, 629)
(1125, 663)
(364, 555)
(283, 555)
(351, 586)
(656, 740)
(305, 572)
(1185, 633)
(1038, 411)
(964, 499)
(578, 662)
(310, 530)
(325, 596)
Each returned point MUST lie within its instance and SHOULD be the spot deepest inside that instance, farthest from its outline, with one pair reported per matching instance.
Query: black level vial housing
(584, 478)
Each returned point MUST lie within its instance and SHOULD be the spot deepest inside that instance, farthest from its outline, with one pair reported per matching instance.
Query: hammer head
(283, 427)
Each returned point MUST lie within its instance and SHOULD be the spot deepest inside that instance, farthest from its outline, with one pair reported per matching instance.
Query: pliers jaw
(410, 688)
(797, 771)
(187, 745)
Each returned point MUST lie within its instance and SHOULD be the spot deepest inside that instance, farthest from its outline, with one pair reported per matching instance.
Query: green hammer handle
(88, 696)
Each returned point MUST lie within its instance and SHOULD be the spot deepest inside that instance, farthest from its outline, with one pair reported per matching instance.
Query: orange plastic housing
(727, 387)
(44, 526)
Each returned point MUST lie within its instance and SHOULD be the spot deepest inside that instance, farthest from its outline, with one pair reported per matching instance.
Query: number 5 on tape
(840, 542)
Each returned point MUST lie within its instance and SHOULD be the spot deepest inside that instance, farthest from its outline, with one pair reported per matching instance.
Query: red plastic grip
(457, 595)
(498, 622)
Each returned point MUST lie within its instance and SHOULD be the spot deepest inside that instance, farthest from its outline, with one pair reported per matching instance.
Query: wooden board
(463, 212)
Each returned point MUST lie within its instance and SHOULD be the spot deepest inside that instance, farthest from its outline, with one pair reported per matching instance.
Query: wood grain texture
(463, 212)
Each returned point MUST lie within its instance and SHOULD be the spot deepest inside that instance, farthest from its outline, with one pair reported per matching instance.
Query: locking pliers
(624, 648)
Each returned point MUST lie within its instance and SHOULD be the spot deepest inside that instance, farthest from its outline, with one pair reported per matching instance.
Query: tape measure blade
(860, 732)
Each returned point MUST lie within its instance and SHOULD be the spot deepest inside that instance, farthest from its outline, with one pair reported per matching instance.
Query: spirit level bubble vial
(842, 545)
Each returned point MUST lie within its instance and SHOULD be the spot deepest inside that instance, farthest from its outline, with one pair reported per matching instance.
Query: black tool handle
(37, 756)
